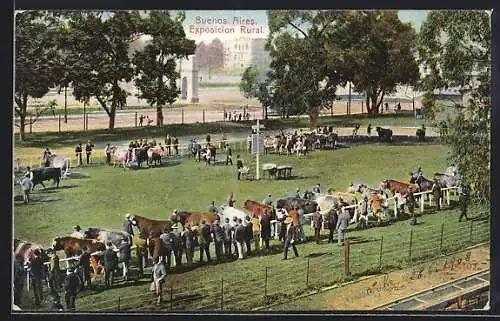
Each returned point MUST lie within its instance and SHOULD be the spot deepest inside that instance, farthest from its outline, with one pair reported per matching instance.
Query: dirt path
(372, 292)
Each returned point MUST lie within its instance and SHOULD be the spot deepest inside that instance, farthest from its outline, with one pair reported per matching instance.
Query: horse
(74, 246)
(445, 180)
(397, 186)
(423, 183)
(258, 209)
(149, 226)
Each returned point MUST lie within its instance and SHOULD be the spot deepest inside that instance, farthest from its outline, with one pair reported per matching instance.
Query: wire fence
(277, 283)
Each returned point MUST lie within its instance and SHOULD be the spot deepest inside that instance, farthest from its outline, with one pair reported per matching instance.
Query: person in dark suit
(128, 227)
(219, 238)
(248, 234)
(436, 193)
(110, 262)
(239, 166)
(37, 276)
(317, 219)
(176, 145)
(463, 193)
(229, 155)
(332, 223)
(291, 237)
(88, 150)
(70, 288)
(265, 229)
(84, 263)
(410, 202)
(228, 237)
(205, 240)
(78, 153)
(341, 227)
(19, 277)
(189, 242)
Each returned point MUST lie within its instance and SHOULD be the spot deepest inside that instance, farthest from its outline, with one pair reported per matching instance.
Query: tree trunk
(159, 116)
(22, 118)
(373, 108)
(312, 119)
(112, 115)
(65, 105)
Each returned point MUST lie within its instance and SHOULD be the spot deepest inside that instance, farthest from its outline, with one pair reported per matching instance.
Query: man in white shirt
(77, 232)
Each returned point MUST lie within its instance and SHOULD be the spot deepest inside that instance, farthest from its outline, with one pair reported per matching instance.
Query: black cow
(384, 134)
(141, 155)
(45, 174)
(420, 134)
(307, 205)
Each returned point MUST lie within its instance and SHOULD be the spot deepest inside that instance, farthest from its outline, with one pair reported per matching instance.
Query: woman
(159, 275)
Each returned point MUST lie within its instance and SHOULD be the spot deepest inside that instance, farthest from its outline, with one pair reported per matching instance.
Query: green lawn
(102, 199)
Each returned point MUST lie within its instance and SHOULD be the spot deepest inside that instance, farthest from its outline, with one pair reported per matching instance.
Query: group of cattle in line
(300, 143)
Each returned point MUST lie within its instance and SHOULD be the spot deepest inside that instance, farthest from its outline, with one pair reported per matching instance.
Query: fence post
(59, 123)
(182, 116)
(448, 197)
(307, 275)
(441, 241)
(380, 253)
(470, 232)
(87, 122)
(135, 119)
(422, 203)
(118, 303)
(265, 284)
(346, 257)
(411, 243)
(31, 123)
(203, 115)
(171, 297)
(222, 293)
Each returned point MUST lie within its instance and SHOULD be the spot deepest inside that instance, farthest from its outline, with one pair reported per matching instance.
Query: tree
(98, 46)
(156, 64)
(34, 63)
(302, 77)
(215, 55)
(376, 52)
(254, 85)
(455, 46)
(200, 55)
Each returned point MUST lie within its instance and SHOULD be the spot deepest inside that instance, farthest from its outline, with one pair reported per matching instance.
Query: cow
(74, 246)
(117, 238)
(397, 186)
(384, 134)
(258, 209)
(61, 162)
(289, 203)
(154, 155)
(120, 156)
(346, 197)
(140, 155)
(195, 218)
(231, 212)
(420, 134)
(445, 180)
(151, 226)
(45, 174)
(423, 183)
(27, 249)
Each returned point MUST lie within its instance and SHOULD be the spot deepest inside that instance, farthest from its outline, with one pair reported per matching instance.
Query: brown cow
(397, 186)
(73, 246)
(195, 218)
(151, 226)
(258, 209)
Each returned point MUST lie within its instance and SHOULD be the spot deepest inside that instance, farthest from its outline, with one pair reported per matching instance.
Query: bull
(289, 203)
(384, 134)
(45, 174)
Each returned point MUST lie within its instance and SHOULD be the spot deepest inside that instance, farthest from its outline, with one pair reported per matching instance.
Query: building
(240, 53)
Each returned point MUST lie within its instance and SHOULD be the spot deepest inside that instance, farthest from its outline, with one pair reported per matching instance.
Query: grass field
(102, 199)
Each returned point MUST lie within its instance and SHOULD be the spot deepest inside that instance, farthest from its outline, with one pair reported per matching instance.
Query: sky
(228, 24)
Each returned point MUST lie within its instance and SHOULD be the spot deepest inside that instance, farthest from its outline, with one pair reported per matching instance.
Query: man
(141, 250)
(332, 223)
(88, 150)
(125, 257)
(363, 219)
(46, 157)
(212, 208)
(268, 200)
(54, 270)
(110, 262)
(463, 193)
(176, 145)
(265, 229)
(107, 152)
(141, 120)
(255, 221)
(291, 235)
(436, 193)
(128, 227)
(177, 244)
(168, 143)
(84, 263)
(189, 240)
(208, 155)
(369, 129)
(167, 244)
(281, 217)
(77, 232)
(159, 274)
(205, 240)
(302, 218)
(316, 189)
(249, 234)
(219, 238)
(239, 236)
(410, 200)
(239, 166)
(228, 237)
(26, 185)
(70, 288)
(317, 219)
(341, 227)
(208, 139)
(37, 276)
(19, 277)
(229, 155)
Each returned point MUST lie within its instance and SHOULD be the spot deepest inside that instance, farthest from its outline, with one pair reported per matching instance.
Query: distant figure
(369, 129)
(463, 193)
(26, 186)
(399, 106)
(71, 288)
(249, 143)
(107, 151)
(239, 117)
(229, 155)
(141, 120)
(88, 150)
(386, 107)
(176, 145)
(77, 232)
(46, 157)
(78, 153)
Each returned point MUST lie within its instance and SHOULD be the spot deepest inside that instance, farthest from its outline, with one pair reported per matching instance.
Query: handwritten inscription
(387, 285)
(459, 263)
